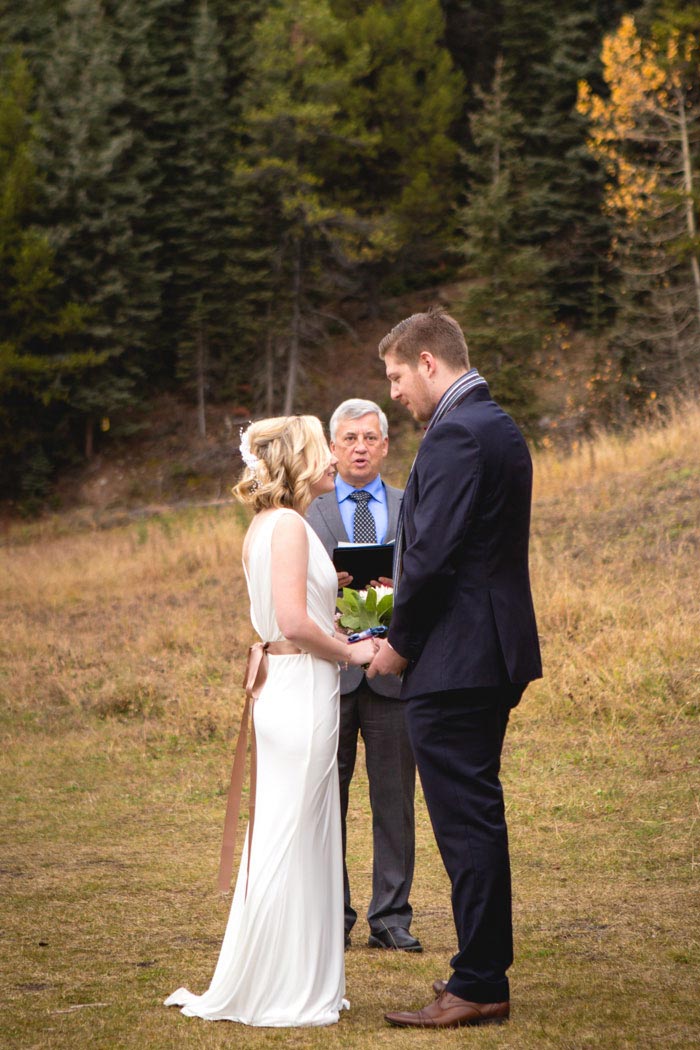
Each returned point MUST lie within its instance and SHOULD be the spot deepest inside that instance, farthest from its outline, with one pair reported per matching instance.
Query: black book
(365, 562)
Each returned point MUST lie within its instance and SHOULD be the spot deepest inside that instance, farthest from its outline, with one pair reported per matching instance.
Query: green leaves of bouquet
(362, 609)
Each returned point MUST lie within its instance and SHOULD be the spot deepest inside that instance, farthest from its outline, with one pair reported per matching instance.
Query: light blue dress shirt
(377, 505)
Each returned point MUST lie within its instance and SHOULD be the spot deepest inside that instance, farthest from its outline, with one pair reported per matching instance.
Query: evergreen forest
(196, 194)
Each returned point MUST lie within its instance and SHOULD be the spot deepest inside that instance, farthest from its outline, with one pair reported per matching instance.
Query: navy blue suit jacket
(463, 613)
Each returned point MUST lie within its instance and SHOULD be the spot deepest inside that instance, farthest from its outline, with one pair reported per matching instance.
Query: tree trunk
(201, 365)
(498, 99)
(294, 348)
(372, 299)
(269, 366)
(688, 190)
(89, 438)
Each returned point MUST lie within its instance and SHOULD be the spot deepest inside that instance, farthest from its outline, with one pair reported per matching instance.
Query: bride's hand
(361, 653)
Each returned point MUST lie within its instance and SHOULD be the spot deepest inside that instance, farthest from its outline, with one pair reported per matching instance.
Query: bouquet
(362, 609)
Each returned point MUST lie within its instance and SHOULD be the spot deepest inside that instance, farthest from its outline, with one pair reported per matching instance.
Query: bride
(282, 958)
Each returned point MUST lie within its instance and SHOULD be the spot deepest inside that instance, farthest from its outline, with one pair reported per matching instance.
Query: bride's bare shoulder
(288, 523)
(285, 517)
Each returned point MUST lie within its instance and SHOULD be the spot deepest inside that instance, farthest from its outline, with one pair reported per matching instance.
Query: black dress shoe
(394, 937)
(347, 941)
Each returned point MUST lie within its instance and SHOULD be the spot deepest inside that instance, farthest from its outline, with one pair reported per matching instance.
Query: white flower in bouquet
(381, 592)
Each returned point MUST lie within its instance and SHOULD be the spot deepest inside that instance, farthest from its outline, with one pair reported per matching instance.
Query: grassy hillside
(121, 652)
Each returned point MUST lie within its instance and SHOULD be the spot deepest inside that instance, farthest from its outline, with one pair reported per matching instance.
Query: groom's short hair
(356, 408)
(434, 331)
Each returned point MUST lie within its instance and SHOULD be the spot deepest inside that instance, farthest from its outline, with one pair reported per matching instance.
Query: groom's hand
(387, 661)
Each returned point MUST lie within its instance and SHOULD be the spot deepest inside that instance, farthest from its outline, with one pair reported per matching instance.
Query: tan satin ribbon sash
(253, 682)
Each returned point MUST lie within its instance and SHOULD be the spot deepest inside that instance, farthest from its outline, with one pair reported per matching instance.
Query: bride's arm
(290, 559)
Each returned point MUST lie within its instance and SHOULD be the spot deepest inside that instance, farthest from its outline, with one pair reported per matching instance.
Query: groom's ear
(427, 363)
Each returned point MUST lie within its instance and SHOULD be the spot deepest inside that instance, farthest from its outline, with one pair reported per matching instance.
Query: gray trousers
(391, 771)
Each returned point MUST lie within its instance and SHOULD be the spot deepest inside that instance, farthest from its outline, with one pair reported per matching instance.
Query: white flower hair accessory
(249, 458)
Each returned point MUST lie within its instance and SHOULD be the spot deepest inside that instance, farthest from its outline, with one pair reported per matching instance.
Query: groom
(463, 633)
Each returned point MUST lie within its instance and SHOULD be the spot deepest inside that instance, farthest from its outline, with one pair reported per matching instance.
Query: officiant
(364, 509)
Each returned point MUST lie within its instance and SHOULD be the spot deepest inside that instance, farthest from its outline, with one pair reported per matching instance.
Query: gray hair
(355, 408)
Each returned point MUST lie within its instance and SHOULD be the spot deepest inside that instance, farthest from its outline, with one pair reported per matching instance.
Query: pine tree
(504, 309)
(473, 36)
(162, 88)
(132, 28)
(257, 289)
(93, 202)
(208, 336)
(529, 38)
(237, 20)
(666, 18)
(406, 94)
(567, 216)
(187, 144)
(525, 46)
(40, 359)
(646, 131)
(31, 28)
(295, 129)
(546, 57)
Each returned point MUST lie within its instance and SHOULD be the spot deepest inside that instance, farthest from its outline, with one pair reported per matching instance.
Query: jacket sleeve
(318, 524)
(447, 474)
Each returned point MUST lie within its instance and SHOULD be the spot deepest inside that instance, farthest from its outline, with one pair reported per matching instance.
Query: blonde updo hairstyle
(293, 455)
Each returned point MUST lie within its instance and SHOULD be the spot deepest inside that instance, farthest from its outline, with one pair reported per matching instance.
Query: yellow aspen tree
(646, 133)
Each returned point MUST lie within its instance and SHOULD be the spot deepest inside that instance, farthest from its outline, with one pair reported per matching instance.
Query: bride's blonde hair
(292, 455)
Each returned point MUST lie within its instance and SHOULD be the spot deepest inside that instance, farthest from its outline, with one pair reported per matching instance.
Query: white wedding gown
(282, 959)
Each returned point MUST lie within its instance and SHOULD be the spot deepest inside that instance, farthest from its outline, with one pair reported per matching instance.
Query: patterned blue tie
(364, 528)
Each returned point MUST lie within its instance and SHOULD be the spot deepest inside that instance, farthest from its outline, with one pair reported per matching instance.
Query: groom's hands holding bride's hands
(361, 653)
(386, 661)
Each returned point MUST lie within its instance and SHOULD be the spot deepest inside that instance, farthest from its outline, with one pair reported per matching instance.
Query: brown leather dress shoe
(449, 1011)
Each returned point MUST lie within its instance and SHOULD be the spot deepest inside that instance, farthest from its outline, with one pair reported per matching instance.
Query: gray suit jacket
(324, 518)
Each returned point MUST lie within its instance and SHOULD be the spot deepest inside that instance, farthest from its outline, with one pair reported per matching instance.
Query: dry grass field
(121, 652)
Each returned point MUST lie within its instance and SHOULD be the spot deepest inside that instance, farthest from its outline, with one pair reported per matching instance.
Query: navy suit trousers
(457, 738)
